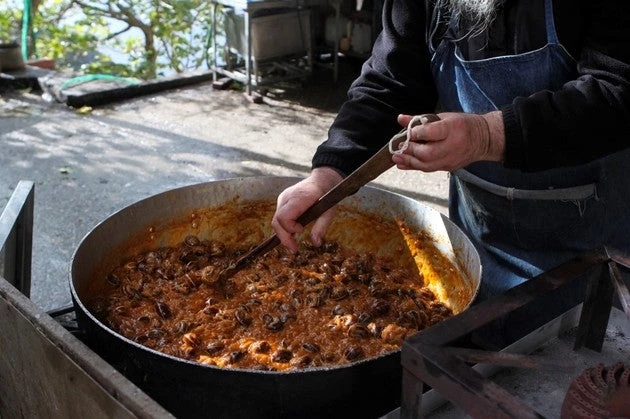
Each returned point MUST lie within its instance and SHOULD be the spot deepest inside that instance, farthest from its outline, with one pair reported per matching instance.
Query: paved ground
(85, 167)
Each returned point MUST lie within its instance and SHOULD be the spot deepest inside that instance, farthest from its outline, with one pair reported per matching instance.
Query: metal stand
(16, 237)
(432, 357)
(251, 10)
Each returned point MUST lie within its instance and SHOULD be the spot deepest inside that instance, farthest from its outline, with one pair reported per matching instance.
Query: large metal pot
(367, 388)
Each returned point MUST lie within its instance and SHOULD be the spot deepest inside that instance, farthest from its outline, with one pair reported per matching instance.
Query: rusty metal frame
(432, 358)
(16, 237)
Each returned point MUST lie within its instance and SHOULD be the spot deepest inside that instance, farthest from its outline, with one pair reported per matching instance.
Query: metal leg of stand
(596, 310)
(411, 399)
(16, 237)
(248, 59)
(214, 42)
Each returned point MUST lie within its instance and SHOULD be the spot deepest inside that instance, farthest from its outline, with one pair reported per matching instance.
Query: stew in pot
(320, 307)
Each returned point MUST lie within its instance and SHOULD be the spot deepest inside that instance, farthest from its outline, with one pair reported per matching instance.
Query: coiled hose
(26, 26)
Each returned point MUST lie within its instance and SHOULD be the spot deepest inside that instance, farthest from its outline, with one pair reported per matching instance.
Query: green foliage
(71, 43)
(156, 36)
(10, 24)
(148, 38)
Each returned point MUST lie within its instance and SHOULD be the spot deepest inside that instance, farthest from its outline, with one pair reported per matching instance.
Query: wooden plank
(77, 98)
(47, 372)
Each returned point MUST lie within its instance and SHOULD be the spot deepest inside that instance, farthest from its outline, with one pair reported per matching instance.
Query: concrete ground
(87, 166)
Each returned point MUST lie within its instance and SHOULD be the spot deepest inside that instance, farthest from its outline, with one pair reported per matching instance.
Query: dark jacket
(585, 120)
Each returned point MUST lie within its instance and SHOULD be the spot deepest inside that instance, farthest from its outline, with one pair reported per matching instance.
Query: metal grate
(434, 358)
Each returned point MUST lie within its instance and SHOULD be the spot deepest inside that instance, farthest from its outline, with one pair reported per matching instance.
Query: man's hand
(455, 141)
(295, 200)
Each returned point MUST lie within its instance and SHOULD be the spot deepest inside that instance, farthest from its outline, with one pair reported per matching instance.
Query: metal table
(249, 9)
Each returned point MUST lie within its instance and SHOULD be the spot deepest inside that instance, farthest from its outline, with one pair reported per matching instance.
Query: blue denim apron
(525, 223)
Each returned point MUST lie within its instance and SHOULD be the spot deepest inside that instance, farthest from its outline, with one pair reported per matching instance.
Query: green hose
(92, 77)
(26, 25)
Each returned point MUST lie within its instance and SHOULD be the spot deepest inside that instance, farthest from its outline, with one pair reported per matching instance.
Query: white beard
(478, 14)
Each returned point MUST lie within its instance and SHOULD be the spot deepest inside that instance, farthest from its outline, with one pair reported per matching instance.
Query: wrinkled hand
(295, 200)
(453, 142)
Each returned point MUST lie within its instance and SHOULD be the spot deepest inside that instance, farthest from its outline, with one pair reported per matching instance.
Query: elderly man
(534, 102)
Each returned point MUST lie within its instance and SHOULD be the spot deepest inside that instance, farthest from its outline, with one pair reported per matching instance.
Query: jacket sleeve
(589, 117)
(395, 79)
